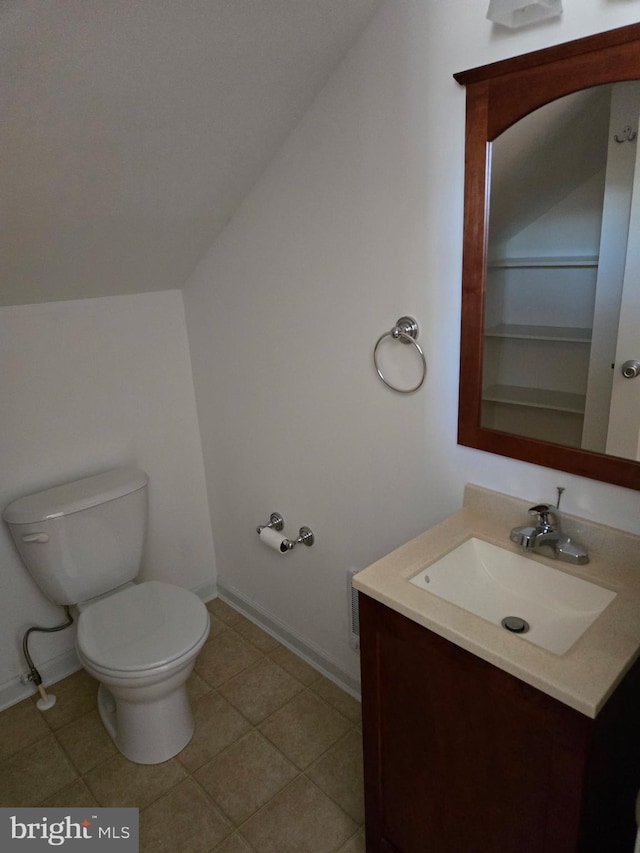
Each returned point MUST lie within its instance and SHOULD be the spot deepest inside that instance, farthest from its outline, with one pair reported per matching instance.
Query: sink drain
(515, 624)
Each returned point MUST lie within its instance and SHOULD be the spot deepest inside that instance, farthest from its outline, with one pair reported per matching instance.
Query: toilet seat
(142, 629)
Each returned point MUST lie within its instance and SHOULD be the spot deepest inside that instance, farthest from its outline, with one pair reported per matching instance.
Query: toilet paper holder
(276, 522)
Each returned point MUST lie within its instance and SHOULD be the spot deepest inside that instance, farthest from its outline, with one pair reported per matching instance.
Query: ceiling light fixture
(518, 13)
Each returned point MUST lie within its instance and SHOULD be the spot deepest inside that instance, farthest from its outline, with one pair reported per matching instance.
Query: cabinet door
(460, 756)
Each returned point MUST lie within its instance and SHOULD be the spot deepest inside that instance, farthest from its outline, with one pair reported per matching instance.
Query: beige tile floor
(274, 766)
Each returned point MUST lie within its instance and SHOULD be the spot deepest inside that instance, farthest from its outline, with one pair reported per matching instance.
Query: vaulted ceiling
(132, 129)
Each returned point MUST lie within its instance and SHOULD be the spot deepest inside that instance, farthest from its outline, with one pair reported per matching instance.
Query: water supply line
(46, 700)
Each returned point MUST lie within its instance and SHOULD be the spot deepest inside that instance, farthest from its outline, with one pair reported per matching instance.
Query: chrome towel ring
(406, 331)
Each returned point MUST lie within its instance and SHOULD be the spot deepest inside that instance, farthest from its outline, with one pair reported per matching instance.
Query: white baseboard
(206, 591)
(314, 656)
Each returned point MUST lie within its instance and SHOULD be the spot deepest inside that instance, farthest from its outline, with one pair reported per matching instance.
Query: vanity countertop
(583, 677)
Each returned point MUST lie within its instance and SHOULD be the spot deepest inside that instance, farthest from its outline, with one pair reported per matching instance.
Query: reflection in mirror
(559, 274)
(549, 279)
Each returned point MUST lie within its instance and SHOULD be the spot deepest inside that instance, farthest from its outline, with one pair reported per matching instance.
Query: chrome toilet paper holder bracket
(305, 537)
(276, 522)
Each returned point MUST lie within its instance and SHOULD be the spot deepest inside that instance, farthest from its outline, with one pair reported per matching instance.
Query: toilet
(82, 543)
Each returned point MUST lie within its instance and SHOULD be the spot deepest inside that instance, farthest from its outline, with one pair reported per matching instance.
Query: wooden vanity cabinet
(461, 757)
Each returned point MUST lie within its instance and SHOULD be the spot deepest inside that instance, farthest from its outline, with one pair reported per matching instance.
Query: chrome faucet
(546, 538)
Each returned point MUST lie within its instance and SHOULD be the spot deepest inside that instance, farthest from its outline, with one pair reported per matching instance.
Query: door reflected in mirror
(559, 276)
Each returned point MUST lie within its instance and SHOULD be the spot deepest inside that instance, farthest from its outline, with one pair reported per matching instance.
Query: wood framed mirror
(527, 324)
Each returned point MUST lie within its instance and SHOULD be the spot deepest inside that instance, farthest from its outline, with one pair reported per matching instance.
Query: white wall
(85, 386)
(357, 221)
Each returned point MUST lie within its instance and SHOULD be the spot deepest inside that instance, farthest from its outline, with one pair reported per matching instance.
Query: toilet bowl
(82, 543)
(140, 643)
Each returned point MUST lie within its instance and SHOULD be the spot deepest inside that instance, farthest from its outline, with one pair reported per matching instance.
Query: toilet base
(147, 732)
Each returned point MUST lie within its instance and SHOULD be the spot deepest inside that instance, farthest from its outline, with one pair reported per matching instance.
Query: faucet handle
(542, 512)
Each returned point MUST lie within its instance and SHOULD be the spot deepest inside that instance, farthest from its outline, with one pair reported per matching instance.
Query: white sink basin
(495, 583)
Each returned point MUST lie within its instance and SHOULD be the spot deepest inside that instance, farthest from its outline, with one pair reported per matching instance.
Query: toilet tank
(84, 538)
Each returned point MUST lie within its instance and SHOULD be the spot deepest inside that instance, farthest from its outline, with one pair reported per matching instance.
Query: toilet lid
(142, 627)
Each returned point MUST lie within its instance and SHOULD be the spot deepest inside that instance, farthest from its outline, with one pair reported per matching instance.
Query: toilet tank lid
(76, 496)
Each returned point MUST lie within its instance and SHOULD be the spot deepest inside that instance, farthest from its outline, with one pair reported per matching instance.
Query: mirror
(550, 286)
(559, 276)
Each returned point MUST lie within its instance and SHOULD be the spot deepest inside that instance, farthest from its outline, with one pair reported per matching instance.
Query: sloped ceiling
(132, 129)
(545, 156)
